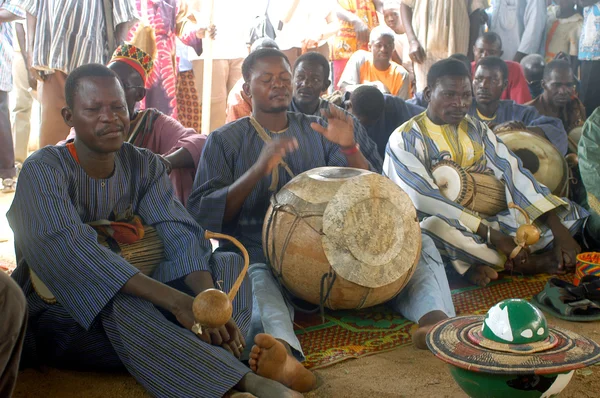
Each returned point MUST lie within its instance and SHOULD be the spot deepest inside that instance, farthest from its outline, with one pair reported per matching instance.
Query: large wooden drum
(541, 158)
(341, 237)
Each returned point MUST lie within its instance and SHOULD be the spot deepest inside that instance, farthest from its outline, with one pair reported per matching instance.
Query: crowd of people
(395, 87)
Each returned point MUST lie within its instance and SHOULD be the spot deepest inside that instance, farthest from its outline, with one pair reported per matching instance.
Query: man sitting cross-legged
(180, 148)
(241, 168)
(489, 81)
(476, 247)
(310, 80)
(102, 312)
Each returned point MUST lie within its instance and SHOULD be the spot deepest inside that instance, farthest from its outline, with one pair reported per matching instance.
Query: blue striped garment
(509, 111)
(368, 147)
(7, 42)
(229, 152)
(93, 320)
(71, 33)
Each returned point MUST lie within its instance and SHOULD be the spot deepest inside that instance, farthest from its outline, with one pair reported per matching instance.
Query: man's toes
(255, 350)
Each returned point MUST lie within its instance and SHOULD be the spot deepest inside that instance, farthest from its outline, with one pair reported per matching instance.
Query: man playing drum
(489, 81)
(242, 166)
(475, 246)
(100, 312)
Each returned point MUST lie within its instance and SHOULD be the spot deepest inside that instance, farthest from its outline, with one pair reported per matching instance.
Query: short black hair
(557, 64)
(494, 62)
(367, 102)
(82, 72)
(491, 37)
(255, 56)
(446, 67)
(464, 59)
(317, 58)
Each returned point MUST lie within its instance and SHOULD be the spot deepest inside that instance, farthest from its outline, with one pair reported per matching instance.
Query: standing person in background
(391, 15)
(521, 24)
(437, 29)
(563, 31)
(25, 90)
(589, 55)
(229, 50)
(306, 27)
(357, 18)
(189, 112)
(170, 19)
(8, 171)
(62, 35)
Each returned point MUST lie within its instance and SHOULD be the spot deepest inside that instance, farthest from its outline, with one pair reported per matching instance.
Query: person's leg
(292, 54)
(235, 73)
(426, 299)
(13, 326)
(7, 152)
(52, 99)
(590, 81)
(22, 109)
(277, 353)
(218, 91)
(338, 69)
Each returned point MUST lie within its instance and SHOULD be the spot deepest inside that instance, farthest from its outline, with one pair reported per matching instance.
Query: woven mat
(355, 334)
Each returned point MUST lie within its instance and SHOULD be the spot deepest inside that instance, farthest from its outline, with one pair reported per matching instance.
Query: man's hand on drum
(508, 126)
(566, 248)
(273, 152)
(340, 127)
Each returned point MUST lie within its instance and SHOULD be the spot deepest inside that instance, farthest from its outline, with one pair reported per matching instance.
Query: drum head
(371, 232)
(538, 156)
(450, 180)
(574, 137)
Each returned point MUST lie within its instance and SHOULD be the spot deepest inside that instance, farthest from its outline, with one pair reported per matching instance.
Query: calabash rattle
(527, 234)
(212, 308)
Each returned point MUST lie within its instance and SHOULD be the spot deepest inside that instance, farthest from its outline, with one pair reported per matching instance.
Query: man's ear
(246, 88)
(427, 94)
(504, 84)
(67, 115)
(326, 85)
(543, 82)
(141, 94)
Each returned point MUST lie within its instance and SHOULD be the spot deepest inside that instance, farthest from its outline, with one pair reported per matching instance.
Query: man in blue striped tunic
(242, 166)
(476, 246)
(311, 78)
(101, 312)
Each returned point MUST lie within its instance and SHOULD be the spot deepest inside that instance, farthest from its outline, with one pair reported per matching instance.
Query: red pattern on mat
(355, 334)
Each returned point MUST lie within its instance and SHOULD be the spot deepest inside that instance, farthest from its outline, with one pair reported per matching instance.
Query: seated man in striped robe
(477, 247)
(179, 147)
(489, 81)
(91, 308)
(239, 172)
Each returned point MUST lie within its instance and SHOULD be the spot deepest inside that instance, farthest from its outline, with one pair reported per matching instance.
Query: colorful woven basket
(587, 264)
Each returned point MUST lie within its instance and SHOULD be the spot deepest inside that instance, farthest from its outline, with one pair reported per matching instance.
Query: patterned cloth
(344, 43)
(188, 105)
(562, 34)
(418, 145)
(135, 57)
(366, 143)
(509, 111)
(361, 69)
(64, 25)
(229, 152)
(571, 116)
(7, 41)
(589, 43)
(94, 324)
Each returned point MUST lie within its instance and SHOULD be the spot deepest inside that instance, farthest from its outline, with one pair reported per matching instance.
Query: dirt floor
(405, 372)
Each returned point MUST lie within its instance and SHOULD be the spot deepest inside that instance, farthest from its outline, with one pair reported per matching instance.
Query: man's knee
(13, 305)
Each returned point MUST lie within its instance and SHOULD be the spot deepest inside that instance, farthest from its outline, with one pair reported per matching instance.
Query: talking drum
(342, 238)
(481, 193)
(541, 158)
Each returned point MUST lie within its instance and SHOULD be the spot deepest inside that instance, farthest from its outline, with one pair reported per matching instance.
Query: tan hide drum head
(371, 235)
(538, 156)
(574, 137)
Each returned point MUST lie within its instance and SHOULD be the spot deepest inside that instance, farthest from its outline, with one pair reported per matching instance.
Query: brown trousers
(52, 99)
(13, 323)
(294, 53)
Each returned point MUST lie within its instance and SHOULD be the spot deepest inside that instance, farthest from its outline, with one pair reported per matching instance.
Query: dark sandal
(566, 301)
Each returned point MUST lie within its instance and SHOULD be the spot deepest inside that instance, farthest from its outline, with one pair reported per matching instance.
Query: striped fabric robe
(94, 325)
(412, 153)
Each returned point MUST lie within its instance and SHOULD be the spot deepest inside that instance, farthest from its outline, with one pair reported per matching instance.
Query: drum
(541, 158)
(145, 254)
(342, 238)
(574, 137)
(480, 193)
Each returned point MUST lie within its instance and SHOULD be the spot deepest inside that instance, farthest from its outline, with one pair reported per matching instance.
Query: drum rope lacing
(277, 265)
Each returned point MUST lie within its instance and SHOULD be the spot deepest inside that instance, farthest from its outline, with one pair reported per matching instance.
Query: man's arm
(7, 16)
(22, 40)
(416, 50)
(361, 29)
(535, 24)
(550, 127)
(124, 18)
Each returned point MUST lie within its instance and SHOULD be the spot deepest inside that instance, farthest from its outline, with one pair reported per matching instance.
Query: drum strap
(266, 138)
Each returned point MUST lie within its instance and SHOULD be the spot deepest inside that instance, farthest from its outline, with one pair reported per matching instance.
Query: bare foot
(427, 321)
(237, 394)
(481, 275)
(258, 386)
(269, 358)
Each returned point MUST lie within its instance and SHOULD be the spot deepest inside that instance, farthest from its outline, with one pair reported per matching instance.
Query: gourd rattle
(527, 234)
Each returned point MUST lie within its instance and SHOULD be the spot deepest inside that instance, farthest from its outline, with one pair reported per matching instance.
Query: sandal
(566, 301)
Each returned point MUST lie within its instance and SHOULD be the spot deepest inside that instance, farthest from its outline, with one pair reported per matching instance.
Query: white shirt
(308, 21)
